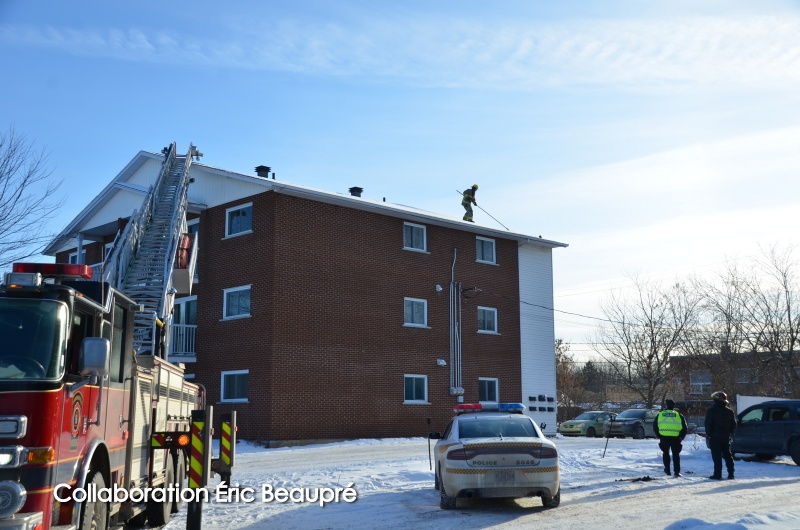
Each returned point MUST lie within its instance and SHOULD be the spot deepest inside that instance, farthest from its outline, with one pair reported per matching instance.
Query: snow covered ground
(395, 490)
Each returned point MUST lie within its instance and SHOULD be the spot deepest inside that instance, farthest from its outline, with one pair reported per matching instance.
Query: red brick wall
(325, 343)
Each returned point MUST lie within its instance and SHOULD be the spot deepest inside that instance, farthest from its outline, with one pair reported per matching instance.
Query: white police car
(494, 450)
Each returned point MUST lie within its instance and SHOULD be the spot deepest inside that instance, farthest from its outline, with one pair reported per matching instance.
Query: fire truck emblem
(77, 414)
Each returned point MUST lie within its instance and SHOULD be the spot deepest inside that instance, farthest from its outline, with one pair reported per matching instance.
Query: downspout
(456, 388)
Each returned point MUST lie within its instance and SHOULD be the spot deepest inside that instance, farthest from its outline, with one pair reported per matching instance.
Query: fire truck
(95, 423)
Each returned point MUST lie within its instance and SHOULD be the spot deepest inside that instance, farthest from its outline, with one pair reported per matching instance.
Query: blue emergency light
(514, 408)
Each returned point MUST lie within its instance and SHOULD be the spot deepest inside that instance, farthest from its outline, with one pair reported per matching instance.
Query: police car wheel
(552, 502)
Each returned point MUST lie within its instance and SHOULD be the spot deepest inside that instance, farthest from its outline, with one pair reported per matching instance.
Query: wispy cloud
(673, 53)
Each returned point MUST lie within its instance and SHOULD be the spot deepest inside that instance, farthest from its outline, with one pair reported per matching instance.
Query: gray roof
(408, 213)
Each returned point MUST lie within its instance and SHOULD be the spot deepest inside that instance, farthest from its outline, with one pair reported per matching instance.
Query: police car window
(448, 429)
(495, 428)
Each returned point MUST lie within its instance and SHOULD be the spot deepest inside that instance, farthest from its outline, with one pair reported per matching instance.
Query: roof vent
(263, 171)
(355, 191)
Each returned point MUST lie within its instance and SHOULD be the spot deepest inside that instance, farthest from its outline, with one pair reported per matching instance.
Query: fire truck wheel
(94, 515)
(159, 513)
(180, 479)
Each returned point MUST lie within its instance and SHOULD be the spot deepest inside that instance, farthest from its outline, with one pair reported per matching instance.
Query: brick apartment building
(321, 315)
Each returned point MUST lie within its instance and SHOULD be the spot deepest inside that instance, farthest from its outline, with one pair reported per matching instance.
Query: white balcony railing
(183, 339)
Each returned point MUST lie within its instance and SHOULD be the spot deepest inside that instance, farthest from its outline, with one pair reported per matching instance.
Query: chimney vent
(263, 171)
(355, 191)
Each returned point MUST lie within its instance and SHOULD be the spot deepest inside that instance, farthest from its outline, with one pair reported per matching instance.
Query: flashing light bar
(489, 407)
(55, 269)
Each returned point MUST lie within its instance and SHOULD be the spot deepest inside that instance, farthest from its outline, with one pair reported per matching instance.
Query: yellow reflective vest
(669, 423)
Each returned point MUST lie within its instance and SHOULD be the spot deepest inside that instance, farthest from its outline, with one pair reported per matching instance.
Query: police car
(495, 451)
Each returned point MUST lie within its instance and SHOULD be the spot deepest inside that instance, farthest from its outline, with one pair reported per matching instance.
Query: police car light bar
(489, 407)
(64, 270)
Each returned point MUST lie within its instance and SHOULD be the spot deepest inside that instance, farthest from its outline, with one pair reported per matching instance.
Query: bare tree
(27, 198)
(642, 331)
(568, 384)
(721, 342)
(774, 304)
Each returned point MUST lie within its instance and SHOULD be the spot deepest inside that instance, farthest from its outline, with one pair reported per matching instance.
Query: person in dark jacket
(670, 428)
(720, 425)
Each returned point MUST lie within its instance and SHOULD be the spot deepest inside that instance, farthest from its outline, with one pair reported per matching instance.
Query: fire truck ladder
(142, 259)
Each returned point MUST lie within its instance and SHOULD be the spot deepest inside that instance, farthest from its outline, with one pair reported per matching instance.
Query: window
(414, 237)
(73, 257)
(415, 312)
(236, 302)
(234, 386)
(487, 320)
(416, 389)
(700, 383)
(487, 389)
(193, 229)
(746, 376)
(485, 250)
(107, 250)
(239, 220)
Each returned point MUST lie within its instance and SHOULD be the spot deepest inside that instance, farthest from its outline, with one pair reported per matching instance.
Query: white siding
(537, 333)
(213, 189)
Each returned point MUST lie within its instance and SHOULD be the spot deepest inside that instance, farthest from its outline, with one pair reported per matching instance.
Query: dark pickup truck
(769, 429)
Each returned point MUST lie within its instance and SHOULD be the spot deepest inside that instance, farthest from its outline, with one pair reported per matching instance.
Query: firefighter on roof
(468, 201)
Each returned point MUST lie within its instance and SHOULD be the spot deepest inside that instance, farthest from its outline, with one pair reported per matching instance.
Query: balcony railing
(183, 340)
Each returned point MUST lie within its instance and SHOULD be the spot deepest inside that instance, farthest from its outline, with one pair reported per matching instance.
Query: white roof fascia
(119, 181)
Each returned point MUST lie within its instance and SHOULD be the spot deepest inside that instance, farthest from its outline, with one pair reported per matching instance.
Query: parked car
(591, 424)
(494, 450)
(769, 429)
(636, 423)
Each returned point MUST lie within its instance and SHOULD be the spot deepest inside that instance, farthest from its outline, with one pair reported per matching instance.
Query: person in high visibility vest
(467, 202)
(670, 427)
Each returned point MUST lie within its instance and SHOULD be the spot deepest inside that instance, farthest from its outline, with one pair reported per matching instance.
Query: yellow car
(591, 424)
(495, 451)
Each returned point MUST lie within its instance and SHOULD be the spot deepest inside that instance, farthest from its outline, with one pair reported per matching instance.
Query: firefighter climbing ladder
(143, 255)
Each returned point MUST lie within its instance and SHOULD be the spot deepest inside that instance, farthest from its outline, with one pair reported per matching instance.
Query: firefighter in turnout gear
(670, 427)
(468, 201)
(720, 425)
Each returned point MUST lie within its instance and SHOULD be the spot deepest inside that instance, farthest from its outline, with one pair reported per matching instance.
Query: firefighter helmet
(720, 396)
(475, 186)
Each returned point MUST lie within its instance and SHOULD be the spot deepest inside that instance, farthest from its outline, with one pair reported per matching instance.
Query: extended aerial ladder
(143, 256)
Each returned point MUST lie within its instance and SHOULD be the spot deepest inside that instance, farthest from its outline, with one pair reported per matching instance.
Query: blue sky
(658, 138)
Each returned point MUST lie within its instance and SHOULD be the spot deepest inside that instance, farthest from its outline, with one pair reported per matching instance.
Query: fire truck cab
(78, 407)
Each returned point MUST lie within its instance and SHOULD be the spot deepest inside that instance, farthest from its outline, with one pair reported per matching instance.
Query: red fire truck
(79, 410)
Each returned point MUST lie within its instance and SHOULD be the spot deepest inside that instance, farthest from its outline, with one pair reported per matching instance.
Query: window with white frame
(236, 302)
(239, 220)
(107, 250)
(73, 257)
(700, 382)
(416, 388)
(415, 312)
(485, 250)
(414, 237)
(193, 228)
(234, 386)
(487, 320)
(487, 389)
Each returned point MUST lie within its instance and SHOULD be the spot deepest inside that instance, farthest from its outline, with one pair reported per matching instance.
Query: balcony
(182, 344)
